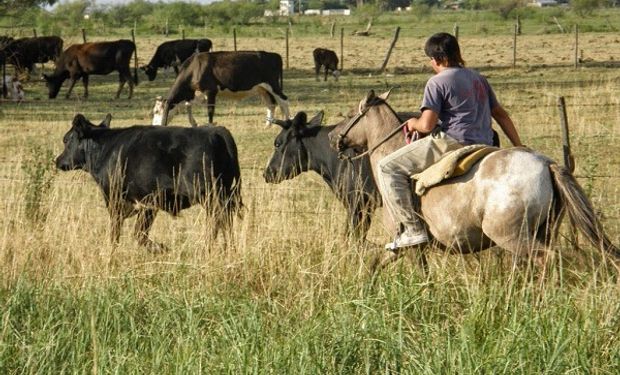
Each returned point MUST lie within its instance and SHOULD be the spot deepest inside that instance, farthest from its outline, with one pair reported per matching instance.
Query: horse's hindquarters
(505, 199)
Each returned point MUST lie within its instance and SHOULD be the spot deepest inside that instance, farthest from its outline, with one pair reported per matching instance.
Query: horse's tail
(580, 210)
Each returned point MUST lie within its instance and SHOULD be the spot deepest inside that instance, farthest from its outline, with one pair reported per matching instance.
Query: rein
(352, 123)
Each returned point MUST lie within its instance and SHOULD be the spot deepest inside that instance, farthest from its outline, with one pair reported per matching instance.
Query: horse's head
(354, 129)
(290, 156)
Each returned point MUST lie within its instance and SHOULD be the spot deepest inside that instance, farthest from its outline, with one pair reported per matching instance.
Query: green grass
(292, 296)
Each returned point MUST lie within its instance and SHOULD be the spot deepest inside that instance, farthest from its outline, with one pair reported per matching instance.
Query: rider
(464, 102)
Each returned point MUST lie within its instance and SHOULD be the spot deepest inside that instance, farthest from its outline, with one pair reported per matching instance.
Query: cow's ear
(385, 95)
(317, 119)
(81, 125)
(106, 121)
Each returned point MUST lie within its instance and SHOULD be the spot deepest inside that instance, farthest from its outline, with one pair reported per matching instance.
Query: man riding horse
(465, 103)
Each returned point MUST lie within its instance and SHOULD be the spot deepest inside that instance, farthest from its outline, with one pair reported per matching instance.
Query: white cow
(158, 110)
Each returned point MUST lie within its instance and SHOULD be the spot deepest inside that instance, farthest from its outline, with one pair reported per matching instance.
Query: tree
(10, 7)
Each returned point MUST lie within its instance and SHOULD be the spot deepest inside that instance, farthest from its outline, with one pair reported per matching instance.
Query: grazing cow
(157, 112)
(328, 59)
(142, 169)
(241, 73)
(23, 53)
(172, 54)
(303, 146)
(81, 60)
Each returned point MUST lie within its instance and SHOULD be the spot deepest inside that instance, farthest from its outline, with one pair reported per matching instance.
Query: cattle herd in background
(140, 161)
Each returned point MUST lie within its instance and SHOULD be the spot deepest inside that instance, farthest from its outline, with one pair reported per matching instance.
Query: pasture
(291, 295)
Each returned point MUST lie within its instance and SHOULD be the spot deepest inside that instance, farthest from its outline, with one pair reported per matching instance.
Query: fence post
(455, 31)
(135, 56)
(331, 29)
(389, 52)
(514, 47)
(576, 45)
(204, 21)
(84, 35)
(569, 162)
(341, 49)
(287, 47)
(182, 33)
(34, 32)
(166, 30)
(235, 38)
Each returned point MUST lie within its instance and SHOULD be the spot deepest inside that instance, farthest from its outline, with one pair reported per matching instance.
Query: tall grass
(294, 296)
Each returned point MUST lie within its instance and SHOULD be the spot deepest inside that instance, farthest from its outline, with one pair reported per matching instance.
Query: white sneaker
(407, 239)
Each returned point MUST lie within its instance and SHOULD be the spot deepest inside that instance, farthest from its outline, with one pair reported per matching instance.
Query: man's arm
(505, 122)
(425, 124)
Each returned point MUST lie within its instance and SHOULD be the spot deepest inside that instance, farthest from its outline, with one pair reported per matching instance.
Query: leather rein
(340, 143)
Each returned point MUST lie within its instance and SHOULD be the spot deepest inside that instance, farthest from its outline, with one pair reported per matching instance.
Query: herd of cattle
(143, 169)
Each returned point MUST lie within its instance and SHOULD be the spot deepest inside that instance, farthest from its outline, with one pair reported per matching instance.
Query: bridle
(361, 113)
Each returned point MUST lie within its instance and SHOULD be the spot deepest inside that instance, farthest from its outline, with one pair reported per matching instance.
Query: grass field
(292, 296)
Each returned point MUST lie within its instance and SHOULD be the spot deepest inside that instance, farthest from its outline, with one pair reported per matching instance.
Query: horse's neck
(383, 122)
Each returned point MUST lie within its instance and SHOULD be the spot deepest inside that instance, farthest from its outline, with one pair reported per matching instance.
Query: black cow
(241, 73)
(173, 53)
(303, 146)
(81, 60)
(328, 59)
(142, 169)
(23, 53)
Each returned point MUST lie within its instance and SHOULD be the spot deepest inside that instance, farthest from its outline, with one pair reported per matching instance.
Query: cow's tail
(580, 211)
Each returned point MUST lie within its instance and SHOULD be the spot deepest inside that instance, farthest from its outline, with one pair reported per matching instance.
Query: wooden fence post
(389, 52)
(514, 47)
(331, 29)
(235, 38)
(166, 30)
(84, 35)
(569, 162)
(135, 56)
(34, 32)
(455, 31)
(341, 49)
(287, 47)
(576, 46)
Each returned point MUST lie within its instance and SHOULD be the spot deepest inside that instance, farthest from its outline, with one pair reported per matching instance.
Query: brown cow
(81, 60)
(328, 59)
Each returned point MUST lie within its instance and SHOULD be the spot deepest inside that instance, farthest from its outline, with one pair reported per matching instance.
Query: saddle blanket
(452, 164)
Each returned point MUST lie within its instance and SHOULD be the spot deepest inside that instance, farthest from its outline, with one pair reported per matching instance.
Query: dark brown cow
(23, 53)
(240, 73)
(81, 60)
(328, 59)
(172, 54)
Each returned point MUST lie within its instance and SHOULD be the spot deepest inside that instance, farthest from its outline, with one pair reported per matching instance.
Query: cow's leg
(317, 71)
(269, 100)
(73, 81)
(121, 84)
(211, 104)
(176, 69)
(325, 76)
(144, 221)
(190, 115)
(85, 83)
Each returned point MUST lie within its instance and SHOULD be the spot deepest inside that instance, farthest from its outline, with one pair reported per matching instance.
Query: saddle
(452, 164)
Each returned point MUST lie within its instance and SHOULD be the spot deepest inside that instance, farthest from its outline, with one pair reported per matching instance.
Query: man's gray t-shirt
(463, 100)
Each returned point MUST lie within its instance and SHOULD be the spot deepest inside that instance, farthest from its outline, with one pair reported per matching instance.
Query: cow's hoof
(157, 248)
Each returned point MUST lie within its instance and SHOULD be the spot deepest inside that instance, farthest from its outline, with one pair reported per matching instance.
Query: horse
(514, 198)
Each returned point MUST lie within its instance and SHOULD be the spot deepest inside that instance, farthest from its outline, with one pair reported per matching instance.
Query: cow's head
(54, 83)
(290, 155)
(78, 142)
(151, 72)
(336, 74)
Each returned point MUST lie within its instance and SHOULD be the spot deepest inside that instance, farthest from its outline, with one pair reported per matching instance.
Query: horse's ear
(106, 121)
(385, 95)
(317, 119)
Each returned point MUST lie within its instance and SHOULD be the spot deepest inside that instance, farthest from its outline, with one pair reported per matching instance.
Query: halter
(361, 113)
